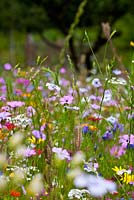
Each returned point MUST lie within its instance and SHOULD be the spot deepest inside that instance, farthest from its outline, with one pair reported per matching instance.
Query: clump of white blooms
(117, 81)
(20, 120)
(78, 194)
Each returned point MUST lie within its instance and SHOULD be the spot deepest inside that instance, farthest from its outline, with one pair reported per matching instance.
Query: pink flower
(117, 151)
(66, 99)
(62, 70)
(125, 140)
(14, 104)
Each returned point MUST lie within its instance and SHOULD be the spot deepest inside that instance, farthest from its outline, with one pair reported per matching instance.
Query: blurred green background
(32, 28)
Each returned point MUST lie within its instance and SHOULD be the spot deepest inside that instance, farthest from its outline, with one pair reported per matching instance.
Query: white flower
(112, 119)
(117, 81)
(96, 83)
(78, 194)
(116, 72)
(96, 185)
(72, 108)
(52, 87)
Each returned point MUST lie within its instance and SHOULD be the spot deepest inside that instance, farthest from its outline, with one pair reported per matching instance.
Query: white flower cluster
(27, 171)
(78, 194)
(20, 120)
(117, 81)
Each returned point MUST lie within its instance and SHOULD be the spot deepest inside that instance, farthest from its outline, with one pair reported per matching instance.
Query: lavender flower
(29, 152)
(125, 140)
(116, 72)
(66, 100)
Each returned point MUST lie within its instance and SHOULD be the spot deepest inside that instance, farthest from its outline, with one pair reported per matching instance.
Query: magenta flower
(126, 140)
(117, 151)
(15, 104)
(7, 66)
(66, 99)
(61, 153)
(23, 81)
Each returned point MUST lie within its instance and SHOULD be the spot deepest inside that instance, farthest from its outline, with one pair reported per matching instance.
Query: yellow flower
(33, 140)
(26, 95)
(128, 178)
(92, 128)
(131, 43)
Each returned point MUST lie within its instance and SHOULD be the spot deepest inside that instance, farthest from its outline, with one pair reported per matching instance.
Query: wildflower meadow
(65, 136)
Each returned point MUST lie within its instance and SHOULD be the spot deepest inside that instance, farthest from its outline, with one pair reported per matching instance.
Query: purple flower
(66, 99)
(96, 83)
(2, 81)
(39, 134)
(7, 66)
(126, 140)
(14, 104)
(117, 126)
(108, 135)
(61, 153)
(85, 129)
